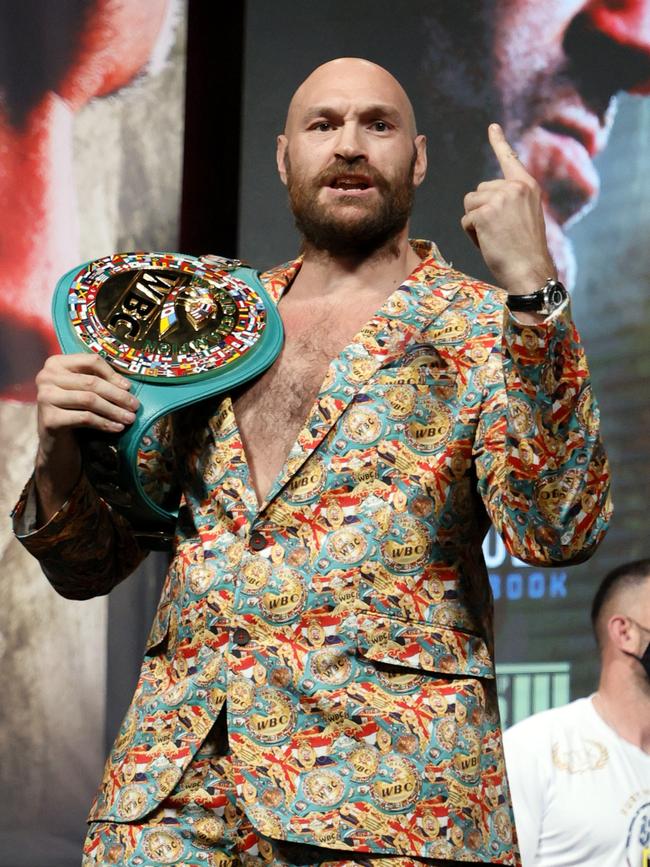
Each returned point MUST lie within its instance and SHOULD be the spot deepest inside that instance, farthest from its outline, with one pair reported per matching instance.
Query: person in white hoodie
(580, 774)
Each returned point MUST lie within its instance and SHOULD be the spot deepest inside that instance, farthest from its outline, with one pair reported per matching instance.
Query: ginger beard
(351, 226)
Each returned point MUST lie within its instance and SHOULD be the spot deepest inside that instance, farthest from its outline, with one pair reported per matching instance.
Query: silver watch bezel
(548, 290)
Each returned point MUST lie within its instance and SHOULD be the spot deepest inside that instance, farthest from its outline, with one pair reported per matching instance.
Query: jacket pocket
(422, 646)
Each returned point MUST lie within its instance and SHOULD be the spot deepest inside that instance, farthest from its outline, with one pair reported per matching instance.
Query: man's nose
(609, 41)
(349, 144)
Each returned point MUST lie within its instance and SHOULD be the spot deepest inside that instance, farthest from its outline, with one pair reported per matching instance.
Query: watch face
(155, 315)
(555, 297)
(553, 294)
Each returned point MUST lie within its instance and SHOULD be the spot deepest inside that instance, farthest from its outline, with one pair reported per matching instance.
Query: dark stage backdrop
(543, 72)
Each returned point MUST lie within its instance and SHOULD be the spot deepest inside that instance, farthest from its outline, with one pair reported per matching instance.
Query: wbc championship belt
(182, 329)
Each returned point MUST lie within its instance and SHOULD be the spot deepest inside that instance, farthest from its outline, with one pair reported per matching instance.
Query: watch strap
(544, 300)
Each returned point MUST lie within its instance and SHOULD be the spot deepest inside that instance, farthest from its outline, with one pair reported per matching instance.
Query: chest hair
(272, 410)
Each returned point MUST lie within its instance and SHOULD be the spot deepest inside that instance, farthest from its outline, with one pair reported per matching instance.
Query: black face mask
(645, 659)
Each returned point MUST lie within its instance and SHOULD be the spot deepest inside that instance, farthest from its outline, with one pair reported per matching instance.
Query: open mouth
(350, 183)
(585, 137)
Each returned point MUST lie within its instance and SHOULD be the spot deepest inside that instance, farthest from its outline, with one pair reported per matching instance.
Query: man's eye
(323, 126)
(380, 126)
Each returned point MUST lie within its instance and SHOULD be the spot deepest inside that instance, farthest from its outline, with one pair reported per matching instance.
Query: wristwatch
(183, 329)
(546, 300)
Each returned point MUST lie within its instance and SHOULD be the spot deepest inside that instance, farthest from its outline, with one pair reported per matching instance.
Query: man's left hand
(505, 220)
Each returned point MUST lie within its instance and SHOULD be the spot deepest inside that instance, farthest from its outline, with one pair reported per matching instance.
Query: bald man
(318, 684)
(580, 774)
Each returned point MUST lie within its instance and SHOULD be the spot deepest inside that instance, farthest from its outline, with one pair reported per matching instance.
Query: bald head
(350, 78)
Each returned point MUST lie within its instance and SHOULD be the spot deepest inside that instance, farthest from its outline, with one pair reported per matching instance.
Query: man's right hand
(74, 391)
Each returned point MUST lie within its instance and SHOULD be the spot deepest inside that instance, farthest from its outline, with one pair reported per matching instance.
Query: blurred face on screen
(549, 72)
(558, 67)
(55, 58)
(350, 157)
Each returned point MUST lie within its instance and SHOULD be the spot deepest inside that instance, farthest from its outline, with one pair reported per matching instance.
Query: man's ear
(280, 156)
(420, 167)
(620, 633)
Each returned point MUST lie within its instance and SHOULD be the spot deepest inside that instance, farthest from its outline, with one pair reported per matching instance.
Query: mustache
(351, 168)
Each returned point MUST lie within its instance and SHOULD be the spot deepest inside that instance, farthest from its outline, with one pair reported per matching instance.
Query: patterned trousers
(202, 824)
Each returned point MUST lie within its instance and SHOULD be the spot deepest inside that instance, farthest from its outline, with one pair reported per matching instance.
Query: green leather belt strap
(183, 329)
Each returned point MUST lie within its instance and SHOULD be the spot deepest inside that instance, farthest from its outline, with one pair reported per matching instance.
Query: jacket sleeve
(542, 470)
(87, 548)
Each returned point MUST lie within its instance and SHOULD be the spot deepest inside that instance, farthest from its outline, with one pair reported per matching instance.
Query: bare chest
(271, 411)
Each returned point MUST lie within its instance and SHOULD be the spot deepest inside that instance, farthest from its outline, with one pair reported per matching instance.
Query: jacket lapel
(405, 314)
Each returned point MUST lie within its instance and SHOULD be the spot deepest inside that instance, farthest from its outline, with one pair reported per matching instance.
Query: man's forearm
(542, 470)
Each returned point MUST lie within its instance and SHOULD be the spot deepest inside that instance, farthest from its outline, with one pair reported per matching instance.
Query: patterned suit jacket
(346, 622)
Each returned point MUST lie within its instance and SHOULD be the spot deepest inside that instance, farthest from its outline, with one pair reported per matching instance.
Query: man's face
(557, 69)
(350, 158)
(94, 49)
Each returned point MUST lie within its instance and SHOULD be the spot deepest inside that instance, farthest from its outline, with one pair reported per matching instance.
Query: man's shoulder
(548, 723)
(438, 272)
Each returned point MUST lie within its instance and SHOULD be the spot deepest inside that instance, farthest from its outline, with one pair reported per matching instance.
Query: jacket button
(258, 541)
(241, 636)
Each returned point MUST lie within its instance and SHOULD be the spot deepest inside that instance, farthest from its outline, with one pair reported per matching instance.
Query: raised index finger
(508, 160)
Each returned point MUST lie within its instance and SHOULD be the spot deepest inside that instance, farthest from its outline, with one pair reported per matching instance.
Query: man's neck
(624, 705)
(325, 275)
